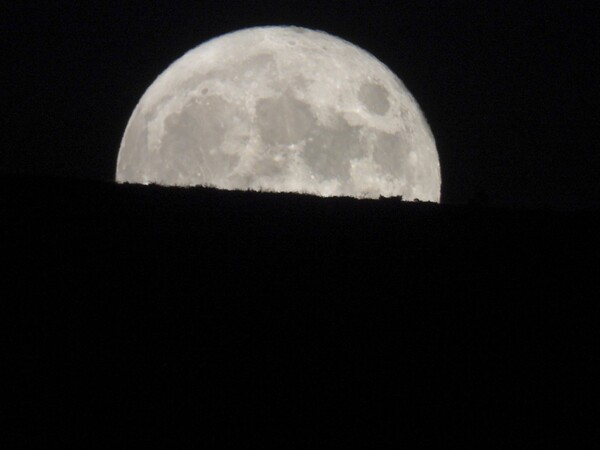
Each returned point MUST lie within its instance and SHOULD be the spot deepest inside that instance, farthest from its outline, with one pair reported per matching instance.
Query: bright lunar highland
(283, 109)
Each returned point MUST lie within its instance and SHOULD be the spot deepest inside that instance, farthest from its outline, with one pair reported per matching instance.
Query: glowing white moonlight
(281, 109)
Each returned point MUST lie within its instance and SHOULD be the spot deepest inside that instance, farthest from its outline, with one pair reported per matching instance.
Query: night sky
(510, 89)
(140, 314)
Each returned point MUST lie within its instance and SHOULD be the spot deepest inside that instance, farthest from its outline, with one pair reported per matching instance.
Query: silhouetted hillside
(292, 321)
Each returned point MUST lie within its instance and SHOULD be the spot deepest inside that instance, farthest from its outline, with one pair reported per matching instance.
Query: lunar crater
(374, 97)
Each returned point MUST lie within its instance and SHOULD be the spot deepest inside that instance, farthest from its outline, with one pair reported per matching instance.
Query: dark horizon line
(480, 199)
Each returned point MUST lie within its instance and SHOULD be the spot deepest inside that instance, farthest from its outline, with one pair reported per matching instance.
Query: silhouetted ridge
(248, 311)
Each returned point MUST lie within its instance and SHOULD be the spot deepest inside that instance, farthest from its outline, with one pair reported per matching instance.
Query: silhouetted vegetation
(245, 312)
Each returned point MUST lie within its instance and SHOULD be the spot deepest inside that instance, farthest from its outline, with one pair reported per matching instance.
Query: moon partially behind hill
(283, 109)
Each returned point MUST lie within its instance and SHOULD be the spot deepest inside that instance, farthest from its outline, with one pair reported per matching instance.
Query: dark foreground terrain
(147, 317)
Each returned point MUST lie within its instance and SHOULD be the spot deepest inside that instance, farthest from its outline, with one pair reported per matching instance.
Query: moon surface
(282, 109)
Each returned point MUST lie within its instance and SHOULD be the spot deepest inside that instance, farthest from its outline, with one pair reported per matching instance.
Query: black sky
(509, 88)
(144, 314)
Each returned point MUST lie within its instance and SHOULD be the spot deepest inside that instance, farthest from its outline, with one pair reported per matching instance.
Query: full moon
(281, 109)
